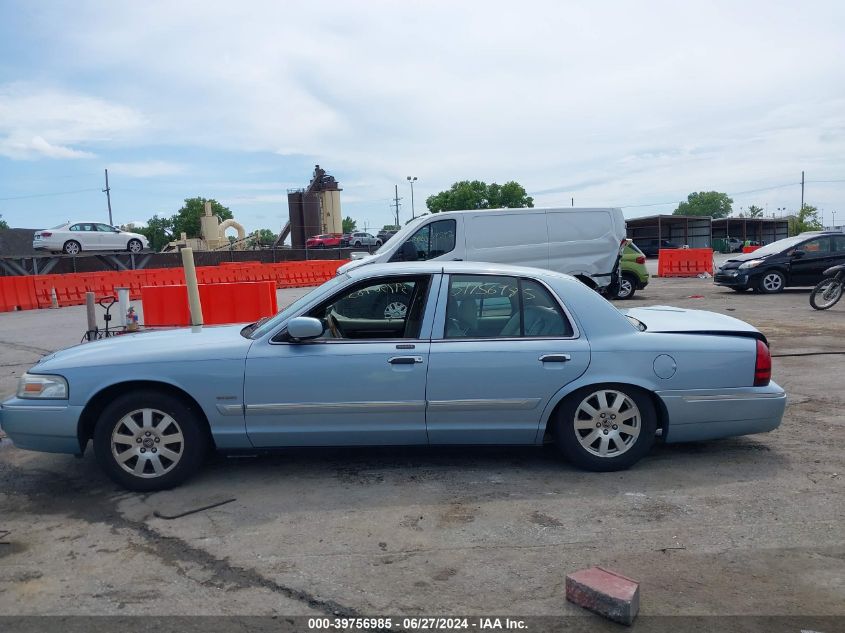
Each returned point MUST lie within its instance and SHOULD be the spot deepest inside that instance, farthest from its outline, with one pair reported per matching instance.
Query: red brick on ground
(604, 592)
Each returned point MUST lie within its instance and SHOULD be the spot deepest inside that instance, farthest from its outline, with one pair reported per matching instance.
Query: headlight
(36, 386)
(752, 263)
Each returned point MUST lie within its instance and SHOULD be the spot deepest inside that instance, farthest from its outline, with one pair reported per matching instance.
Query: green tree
(807, 219)
(3, 223)
(755, 212)
(349, 225)
(187, 219)
(475, 194)
(712, 203)
(159, 231)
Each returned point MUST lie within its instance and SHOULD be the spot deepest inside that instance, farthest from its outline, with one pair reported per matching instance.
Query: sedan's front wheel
(149, 440)
(606, 427)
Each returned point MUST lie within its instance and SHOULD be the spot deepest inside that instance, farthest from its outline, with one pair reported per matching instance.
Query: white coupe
(74, 237)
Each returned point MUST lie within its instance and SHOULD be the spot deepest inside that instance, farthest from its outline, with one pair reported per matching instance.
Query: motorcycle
(829, 290)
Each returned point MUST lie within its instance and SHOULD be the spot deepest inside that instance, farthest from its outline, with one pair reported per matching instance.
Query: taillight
(641, 259)
(763, 365)
(45, 234)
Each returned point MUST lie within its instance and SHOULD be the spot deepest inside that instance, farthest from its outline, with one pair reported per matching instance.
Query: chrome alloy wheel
(395, 310)
(147, 443)
(607, 423)
(772, 282)
(625, 288)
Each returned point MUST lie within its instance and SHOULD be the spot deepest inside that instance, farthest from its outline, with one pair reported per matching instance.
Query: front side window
(820, 246)
(388, 308)
(105, 228)
(433, 240)
(483, 306)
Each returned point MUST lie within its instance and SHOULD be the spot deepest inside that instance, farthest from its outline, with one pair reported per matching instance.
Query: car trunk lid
(682, 321)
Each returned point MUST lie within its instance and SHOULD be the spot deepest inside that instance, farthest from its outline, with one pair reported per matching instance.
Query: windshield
(780, 245)
(271, 324)
(53, 228)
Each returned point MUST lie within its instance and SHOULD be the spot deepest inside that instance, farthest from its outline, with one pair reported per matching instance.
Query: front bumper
(706, 414)
(48, 426)
(733, 278)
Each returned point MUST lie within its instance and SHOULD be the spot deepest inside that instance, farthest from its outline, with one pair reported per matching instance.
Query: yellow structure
(332, 215)
(213, 234)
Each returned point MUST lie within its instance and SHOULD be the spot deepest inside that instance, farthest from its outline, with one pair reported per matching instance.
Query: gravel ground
(744, 526)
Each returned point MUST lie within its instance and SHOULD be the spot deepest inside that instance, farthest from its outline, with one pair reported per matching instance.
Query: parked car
(794, 261)
(74, 237)
(327, 240)
(363, 239)
(651, 248)
(734, 244)
(585, 243)
(634, 275)
(437, 353)
(385, 235)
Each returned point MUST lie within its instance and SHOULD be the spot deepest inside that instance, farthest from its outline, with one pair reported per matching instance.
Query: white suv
(363, 239)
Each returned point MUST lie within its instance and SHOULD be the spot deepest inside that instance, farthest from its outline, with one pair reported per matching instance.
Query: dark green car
(633, 272)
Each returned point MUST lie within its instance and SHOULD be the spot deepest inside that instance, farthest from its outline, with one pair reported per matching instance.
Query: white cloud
(147, 169)
(41, 122)
(609, 102)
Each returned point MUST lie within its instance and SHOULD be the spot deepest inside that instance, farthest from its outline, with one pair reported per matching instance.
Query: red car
(329, 240)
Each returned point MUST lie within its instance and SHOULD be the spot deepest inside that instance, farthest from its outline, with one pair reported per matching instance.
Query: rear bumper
(50, 427)
(706, 414)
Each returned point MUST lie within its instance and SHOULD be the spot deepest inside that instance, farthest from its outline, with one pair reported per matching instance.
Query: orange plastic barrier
(684, 262)
(749, 249)
(29, 292)
(221, 303)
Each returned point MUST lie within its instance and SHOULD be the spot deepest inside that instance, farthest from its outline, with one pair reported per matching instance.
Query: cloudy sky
(631, 104)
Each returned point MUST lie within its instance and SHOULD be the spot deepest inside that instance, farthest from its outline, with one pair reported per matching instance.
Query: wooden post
(193, 288)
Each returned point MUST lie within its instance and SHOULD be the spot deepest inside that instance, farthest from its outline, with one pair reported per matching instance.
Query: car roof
(464, 268)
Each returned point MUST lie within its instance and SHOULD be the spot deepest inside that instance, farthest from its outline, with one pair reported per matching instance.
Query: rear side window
(483, 306)
(839, 244)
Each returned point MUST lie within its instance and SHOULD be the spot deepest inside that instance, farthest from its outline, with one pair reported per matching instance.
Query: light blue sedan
(399, 354)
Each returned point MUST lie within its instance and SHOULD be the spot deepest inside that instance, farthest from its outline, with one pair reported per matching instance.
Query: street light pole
(412, 180)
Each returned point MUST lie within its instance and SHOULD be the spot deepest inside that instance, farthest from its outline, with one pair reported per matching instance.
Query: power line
(45, 195)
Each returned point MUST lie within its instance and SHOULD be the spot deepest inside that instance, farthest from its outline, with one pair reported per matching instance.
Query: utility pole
(396, 200)
(412, 180)
(573, 202)
(802, 190)
(107, 191)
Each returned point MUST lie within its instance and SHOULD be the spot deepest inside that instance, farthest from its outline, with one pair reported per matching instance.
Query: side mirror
(304, 328)
(798, 254)
(409, 252)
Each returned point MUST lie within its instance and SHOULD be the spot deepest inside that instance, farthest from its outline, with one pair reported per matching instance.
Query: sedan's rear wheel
(149, 440)
(72, 247)
(606, 427)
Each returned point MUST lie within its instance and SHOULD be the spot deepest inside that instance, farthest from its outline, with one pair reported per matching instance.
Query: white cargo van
(586, 243)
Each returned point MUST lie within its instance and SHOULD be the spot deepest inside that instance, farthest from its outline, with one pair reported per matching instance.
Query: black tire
(627, 286)
(571, 441)
(357, 244)
(191, 450)
(72, 247)
(822, 289)
(378, 243)
(134, 246)
(771, 282)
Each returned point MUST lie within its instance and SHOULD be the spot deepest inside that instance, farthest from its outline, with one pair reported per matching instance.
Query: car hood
(738, 258)
(670, 319)
(178, 344)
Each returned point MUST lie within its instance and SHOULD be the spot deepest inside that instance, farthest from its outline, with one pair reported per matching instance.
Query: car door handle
(457, 259)
(555, 358)
(404, 360)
